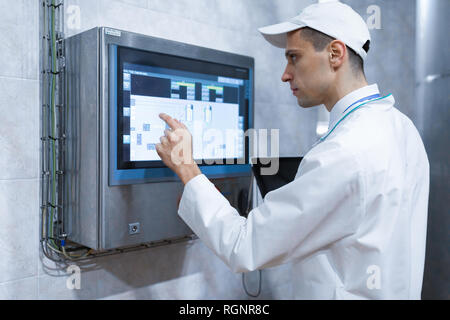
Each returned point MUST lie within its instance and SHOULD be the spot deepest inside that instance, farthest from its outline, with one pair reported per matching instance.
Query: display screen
(211, 99)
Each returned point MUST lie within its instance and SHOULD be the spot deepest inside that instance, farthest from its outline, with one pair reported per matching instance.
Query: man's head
(316, 62)
(325, 47)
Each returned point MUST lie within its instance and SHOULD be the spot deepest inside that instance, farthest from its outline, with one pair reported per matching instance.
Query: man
(353, 222)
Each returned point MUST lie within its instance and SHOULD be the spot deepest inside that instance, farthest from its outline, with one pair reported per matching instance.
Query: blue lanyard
(375, 97)
(363, 99)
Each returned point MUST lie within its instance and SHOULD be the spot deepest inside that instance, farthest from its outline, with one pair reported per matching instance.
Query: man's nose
(286, 76)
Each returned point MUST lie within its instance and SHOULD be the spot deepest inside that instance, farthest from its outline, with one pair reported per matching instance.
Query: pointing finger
(169, 120)
(181, 124)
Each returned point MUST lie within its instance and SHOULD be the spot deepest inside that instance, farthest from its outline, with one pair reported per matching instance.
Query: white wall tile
(55, 287)
(196, 10)
(19, 210)
(291, 8)
(19, 129)
(136, 3)
(80, 15)
(162, 272)
(19, 39)
(24, 289)
(189, 287)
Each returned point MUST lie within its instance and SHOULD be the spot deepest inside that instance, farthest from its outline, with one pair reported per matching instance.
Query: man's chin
(305, 104)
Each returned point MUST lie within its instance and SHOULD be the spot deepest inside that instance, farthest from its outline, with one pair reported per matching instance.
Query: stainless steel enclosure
(433, 83)
(98, 215)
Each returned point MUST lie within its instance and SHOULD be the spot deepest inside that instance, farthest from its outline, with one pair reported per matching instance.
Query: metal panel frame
(111, 38)
(82, 138)
(99, 214)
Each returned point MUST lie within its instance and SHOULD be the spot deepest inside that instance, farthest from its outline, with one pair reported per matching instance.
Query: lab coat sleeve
(323, 205)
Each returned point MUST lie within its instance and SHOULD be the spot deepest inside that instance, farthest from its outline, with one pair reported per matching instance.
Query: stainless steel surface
(100, 214)
(433, 83)
(82, 156)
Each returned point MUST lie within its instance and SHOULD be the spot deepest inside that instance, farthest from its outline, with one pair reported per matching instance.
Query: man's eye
(293, 57)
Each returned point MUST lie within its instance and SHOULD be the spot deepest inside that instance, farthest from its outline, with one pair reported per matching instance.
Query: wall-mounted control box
(118, 192)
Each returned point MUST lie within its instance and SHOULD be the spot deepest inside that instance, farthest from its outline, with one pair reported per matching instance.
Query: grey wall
(186, 270)
(433, 83)
(391, 59)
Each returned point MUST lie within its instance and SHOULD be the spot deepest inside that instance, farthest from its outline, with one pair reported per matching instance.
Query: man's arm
(321, 206)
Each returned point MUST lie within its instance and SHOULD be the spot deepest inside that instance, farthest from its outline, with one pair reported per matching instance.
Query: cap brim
(276, 34)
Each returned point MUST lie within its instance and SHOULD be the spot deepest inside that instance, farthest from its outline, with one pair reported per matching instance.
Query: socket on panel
(134, 228)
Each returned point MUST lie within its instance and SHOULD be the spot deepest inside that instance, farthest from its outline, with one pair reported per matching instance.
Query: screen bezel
(150, 58)
(109, 40)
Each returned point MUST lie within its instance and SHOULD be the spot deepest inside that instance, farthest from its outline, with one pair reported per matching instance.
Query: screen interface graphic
(210, 99)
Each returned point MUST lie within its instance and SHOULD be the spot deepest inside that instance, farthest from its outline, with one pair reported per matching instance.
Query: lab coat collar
(338, 110)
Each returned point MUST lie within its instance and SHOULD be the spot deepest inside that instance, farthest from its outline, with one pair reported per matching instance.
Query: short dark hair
(320, 40)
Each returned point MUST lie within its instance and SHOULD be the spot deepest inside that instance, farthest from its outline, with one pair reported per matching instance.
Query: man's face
(308, 72)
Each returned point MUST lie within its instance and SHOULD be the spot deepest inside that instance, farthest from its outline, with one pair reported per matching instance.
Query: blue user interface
(207, 105)
(211, 100)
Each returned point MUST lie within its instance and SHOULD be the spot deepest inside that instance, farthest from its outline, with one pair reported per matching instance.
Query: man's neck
(341, 89)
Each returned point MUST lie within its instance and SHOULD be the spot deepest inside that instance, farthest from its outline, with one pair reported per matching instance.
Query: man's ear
(337, 51)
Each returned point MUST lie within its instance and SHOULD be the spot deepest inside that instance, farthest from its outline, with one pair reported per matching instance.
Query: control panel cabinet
(108, 206)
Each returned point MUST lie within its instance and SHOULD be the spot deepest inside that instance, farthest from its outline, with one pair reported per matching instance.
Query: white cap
(334, 18)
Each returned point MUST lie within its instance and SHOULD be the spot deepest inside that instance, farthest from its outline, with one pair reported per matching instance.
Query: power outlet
(134, 228)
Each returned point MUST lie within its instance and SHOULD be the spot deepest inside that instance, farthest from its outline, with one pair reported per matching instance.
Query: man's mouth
(294, 91)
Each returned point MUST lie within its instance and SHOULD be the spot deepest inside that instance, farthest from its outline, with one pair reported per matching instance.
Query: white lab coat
(352, 223)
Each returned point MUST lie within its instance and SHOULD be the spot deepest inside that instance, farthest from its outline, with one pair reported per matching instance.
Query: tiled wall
(19, 148)
(179, 271)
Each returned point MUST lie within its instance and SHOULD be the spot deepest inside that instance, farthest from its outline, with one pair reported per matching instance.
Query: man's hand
(175, 149)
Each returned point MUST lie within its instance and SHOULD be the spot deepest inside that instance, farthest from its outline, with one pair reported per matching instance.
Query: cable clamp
(54, 6)
(57, 139)
(54, 206)
(60, 36)
(52, 72)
